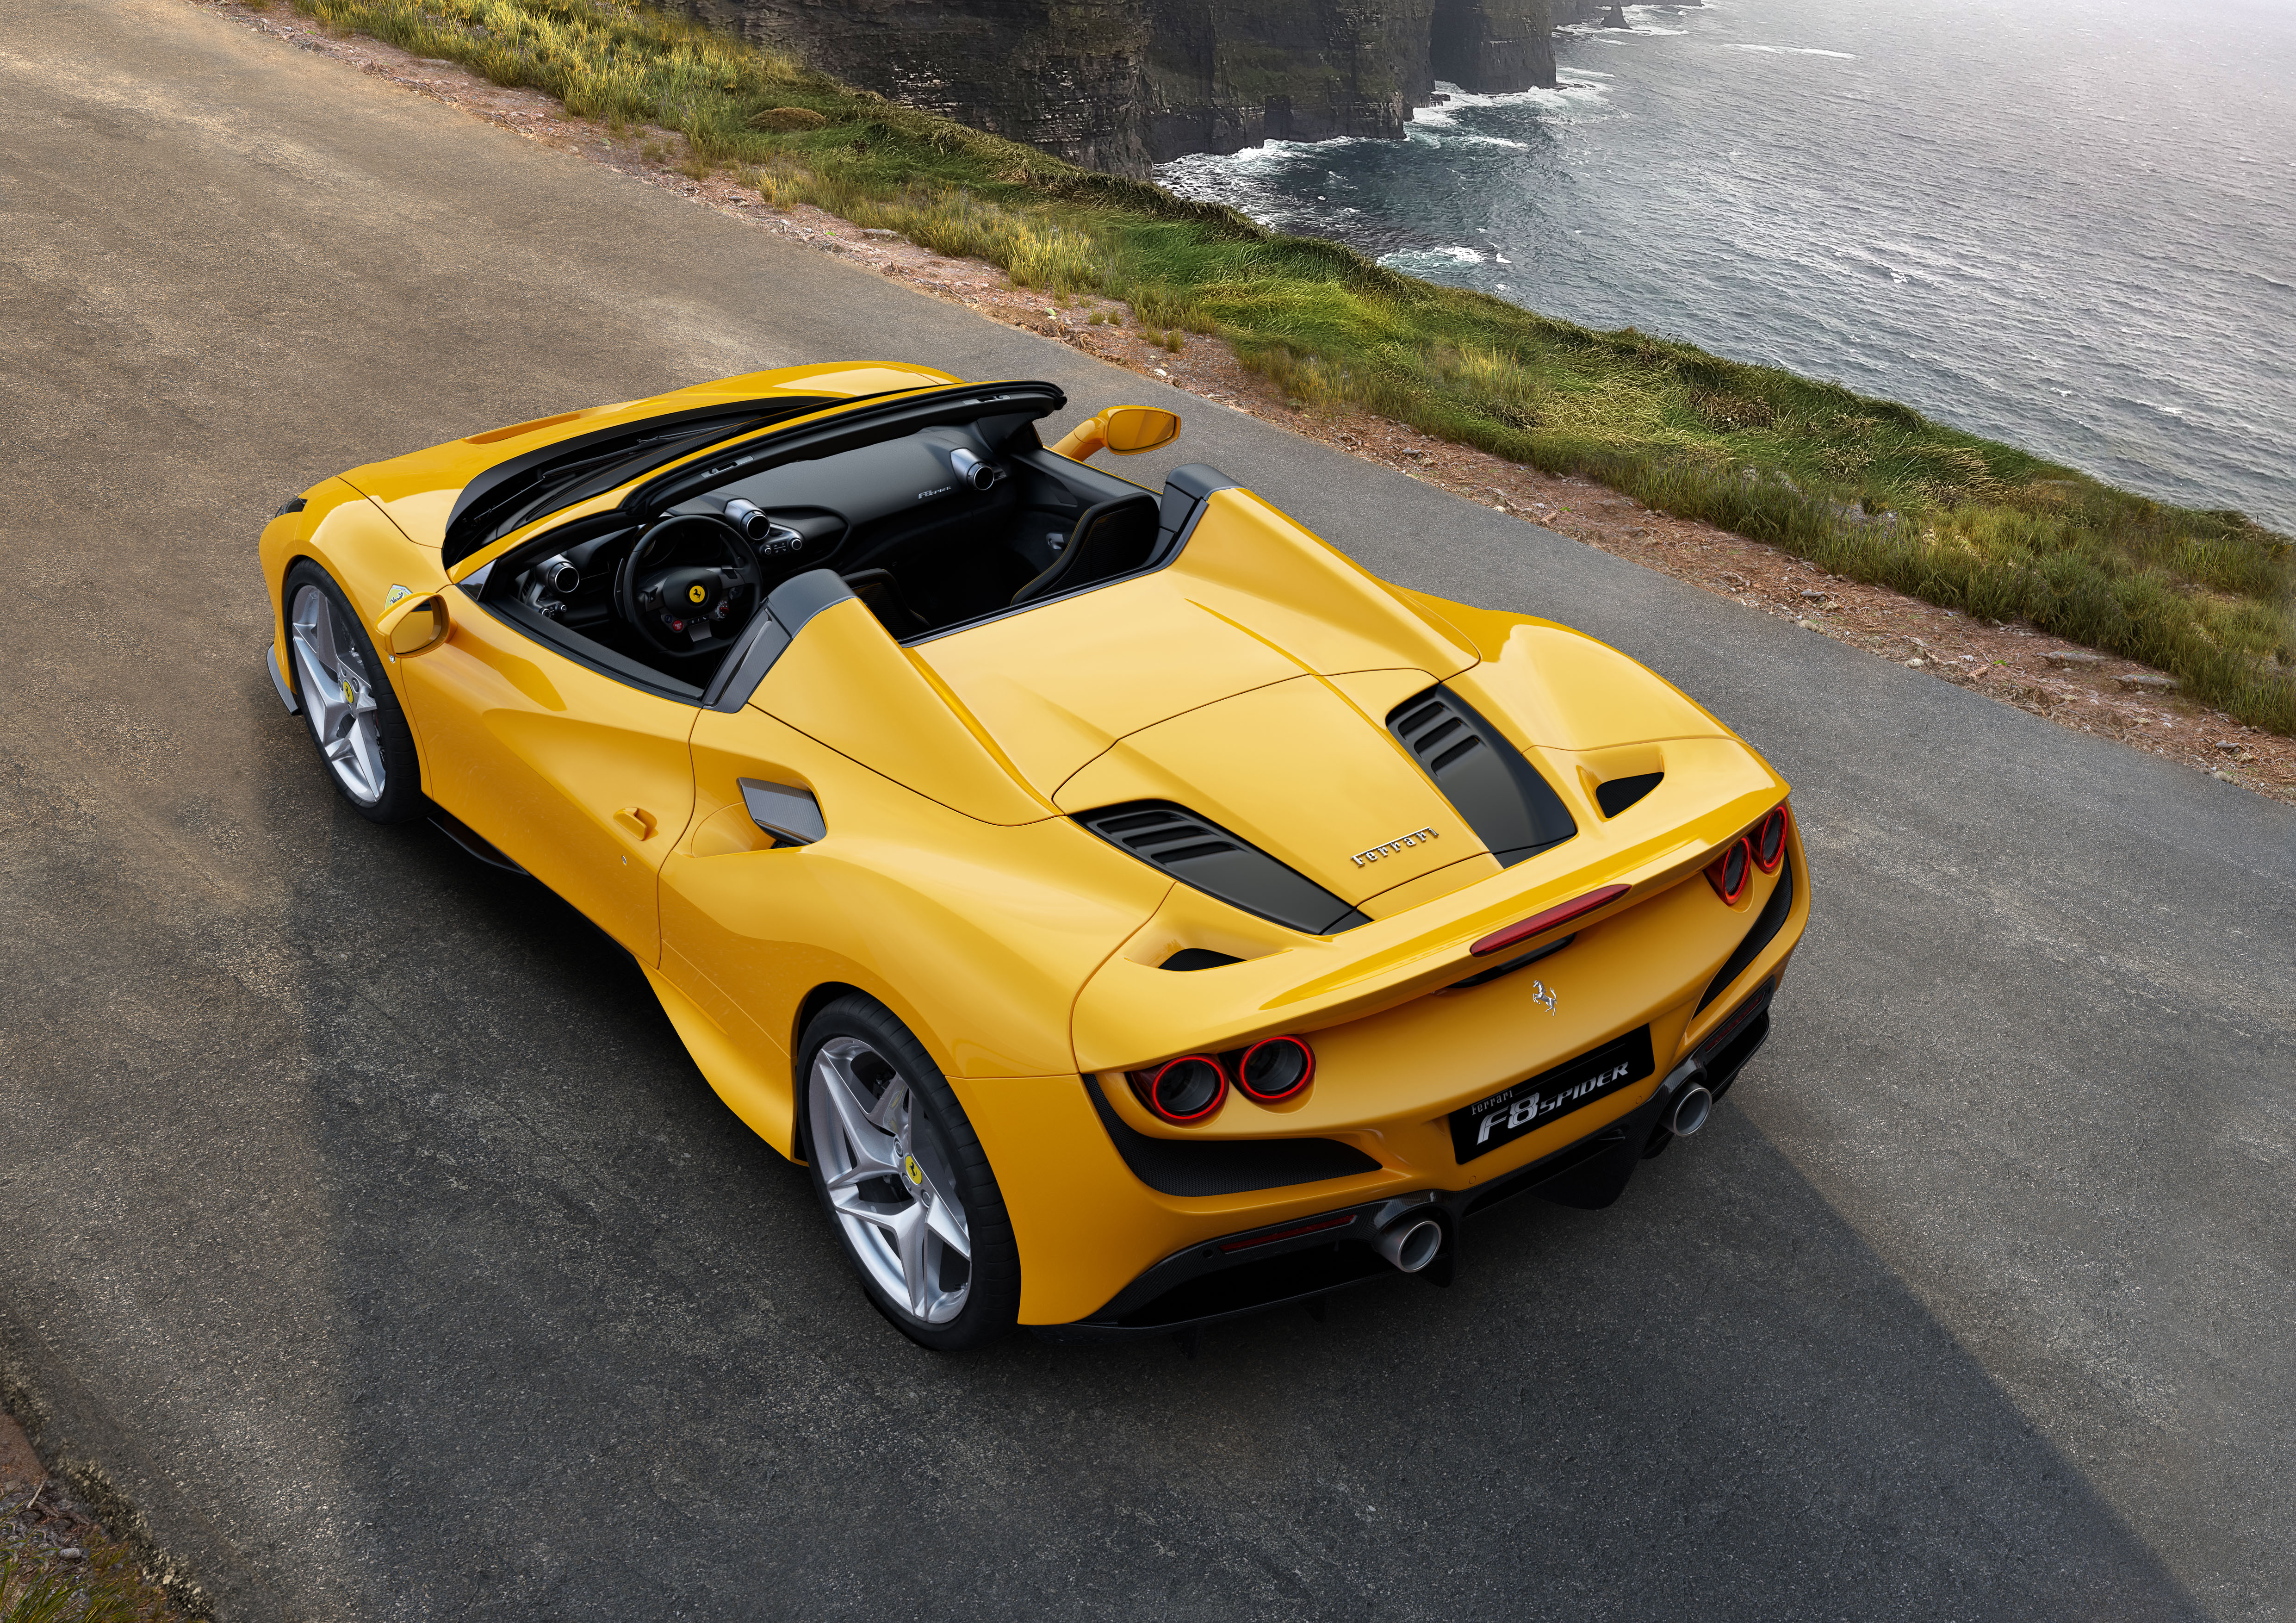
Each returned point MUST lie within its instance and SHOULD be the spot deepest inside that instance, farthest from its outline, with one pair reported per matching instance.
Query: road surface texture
(362, 1220)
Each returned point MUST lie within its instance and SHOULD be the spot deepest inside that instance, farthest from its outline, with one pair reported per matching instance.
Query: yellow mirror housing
(412, 624)
(1125, 430)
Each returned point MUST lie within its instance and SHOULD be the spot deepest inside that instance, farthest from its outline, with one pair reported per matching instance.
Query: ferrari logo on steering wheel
(697, 591)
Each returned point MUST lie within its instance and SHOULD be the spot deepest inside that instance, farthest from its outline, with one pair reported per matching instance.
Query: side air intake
(1217, 863)
(1512, 810)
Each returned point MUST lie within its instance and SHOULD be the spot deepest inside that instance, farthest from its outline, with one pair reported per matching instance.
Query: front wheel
(353, 714)
(905, 1180)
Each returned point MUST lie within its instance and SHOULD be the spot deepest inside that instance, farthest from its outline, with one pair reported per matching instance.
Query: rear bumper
(1305, 1258)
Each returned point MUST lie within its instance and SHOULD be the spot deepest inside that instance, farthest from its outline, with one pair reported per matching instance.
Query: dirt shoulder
(57, 1560)
(2013, 663)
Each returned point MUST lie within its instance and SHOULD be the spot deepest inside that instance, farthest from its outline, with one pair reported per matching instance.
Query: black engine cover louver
(1512, 810)
(1206, 855)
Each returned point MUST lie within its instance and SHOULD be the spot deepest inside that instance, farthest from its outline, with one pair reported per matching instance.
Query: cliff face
(1492, 46)
(1120, 83)
(1064, 75)
(1222, 75)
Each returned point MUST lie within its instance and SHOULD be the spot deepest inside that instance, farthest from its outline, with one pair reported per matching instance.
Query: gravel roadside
(58, 1560)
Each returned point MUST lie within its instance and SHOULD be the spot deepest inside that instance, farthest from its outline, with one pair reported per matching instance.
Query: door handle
(637, 821)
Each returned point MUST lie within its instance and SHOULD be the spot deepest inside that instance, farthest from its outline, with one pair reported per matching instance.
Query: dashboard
(931, 529)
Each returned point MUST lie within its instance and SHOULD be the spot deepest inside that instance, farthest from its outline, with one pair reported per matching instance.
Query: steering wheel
(689, 609)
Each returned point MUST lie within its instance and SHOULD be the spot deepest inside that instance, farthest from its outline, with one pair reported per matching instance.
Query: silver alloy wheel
(889, 1180)
(338, 694)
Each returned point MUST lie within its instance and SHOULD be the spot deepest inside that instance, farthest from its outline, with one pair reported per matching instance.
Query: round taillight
(1186, 1089)
(1275, 1070)
(1729, 872)
(1770, 841)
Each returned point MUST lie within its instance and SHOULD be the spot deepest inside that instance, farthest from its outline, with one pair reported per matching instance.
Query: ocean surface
(2070, 226)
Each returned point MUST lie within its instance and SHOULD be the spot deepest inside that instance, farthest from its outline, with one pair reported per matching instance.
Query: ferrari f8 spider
(1133, 913)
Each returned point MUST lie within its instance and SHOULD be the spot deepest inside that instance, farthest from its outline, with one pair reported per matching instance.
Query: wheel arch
(827, 992)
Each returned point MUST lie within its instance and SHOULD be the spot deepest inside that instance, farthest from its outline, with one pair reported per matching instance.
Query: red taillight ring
(1182, 1097)
(1291, 1073)
(1717, 872)
(1770, 836)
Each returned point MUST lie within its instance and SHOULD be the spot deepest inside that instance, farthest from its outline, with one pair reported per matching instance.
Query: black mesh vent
(1512, 808)
(1213, 861)
(1771, 920)
(1225, 1166)
(1615, 796)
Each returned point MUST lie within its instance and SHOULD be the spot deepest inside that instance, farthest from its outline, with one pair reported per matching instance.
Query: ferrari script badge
(697, 591)
(1363, 859)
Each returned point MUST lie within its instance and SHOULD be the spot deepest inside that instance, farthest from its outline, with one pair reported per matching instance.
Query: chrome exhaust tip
(1411, 1244)
(1691, 1107)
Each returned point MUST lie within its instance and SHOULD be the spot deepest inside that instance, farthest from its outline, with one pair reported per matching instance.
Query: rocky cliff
(1120, 85)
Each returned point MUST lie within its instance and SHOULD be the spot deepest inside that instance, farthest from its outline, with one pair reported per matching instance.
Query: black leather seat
(1110, 539)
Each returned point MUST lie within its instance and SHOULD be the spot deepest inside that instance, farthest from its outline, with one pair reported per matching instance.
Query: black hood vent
(1218, 863)
(1512, 808)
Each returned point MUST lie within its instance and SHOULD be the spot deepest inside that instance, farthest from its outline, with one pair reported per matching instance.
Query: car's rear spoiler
(1134, 1012)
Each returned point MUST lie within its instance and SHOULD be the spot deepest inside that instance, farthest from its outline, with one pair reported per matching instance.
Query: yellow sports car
(1132, 912)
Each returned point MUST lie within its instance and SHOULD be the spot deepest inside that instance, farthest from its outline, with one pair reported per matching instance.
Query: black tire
(991, 1304)
(401, 800)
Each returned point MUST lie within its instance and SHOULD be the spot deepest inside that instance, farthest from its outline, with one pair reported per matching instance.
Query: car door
(583, 780)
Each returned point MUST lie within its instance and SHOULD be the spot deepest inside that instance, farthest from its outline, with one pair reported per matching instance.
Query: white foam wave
(1733, 45)
(1562, 96)
(1432, 258)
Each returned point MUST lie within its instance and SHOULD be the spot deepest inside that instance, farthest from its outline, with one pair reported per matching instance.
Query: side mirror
(1125, 430)
(412, 624)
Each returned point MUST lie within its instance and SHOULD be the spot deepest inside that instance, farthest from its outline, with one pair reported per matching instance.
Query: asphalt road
(365, 1224)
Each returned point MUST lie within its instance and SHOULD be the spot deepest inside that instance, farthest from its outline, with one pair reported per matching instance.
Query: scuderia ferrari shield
(1508, 1114)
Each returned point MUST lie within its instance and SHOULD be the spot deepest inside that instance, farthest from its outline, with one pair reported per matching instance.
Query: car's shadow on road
(600, 1356)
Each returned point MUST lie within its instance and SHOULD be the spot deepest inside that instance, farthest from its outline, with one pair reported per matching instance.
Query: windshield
(555, 477)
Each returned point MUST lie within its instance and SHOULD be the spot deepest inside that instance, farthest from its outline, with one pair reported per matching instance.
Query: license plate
(1493, 1123)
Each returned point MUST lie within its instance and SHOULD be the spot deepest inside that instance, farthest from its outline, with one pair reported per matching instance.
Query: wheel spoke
(366, 747)
(909, 1232)
(948, 1222)
(867, 1163)
(323, 641)
(889, 1105)
(887, 1218)
(323, 695)
(854, 1112)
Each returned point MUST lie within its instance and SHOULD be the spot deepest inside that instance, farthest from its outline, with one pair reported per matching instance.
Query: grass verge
(1867, 488)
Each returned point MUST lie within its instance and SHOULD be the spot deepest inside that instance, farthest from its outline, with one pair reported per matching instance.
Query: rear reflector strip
(1293, 1233)
(1498, 941)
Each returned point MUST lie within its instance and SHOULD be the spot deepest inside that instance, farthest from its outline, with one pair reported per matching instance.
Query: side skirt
(762, 1101)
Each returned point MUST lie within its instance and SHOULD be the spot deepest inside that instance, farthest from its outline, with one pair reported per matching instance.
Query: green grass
(1868, 488)
(103, 1587)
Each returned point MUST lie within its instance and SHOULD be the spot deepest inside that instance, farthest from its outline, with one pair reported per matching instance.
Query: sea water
(2070, 226)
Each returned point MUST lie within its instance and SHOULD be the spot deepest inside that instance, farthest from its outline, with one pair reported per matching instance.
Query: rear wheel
(353, 713)
(905, 1180)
